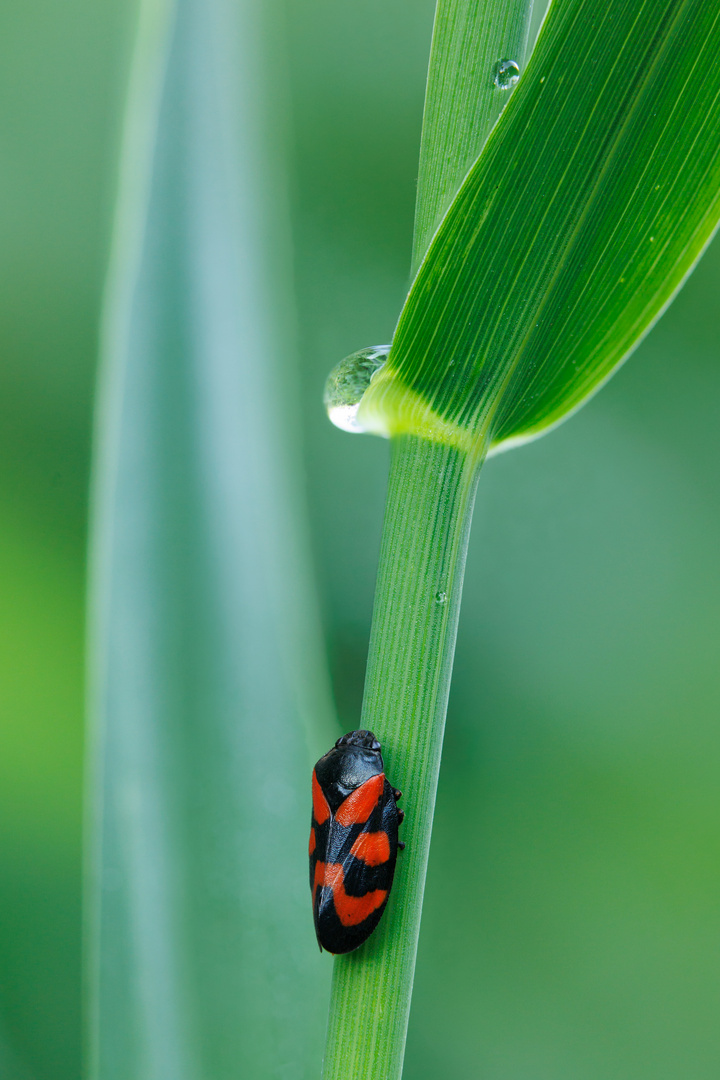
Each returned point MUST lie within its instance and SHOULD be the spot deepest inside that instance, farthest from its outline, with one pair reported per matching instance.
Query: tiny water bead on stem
(347, 383)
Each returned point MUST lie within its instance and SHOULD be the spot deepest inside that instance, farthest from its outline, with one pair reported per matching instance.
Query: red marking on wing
(372, 847)
(311, 845)
(321, 810)
(360, 803)
(351, 910)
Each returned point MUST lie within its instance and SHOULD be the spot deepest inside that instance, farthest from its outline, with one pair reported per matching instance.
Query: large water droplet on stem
(347, 383)
(506, 74)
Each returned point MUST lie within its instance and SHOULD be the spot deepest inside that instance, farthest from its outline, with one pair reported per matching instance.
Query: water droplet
(506, 74)
(440, 597)
(347, 383)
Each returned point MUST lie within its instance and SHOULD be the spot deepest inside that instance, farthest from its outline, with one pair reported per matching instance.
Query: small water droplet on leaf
(348, 381)
(440, 597)
(506, 74)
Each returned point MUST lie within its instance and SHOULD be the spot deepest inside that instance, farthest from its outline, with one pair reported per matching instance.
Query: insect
(353, 841)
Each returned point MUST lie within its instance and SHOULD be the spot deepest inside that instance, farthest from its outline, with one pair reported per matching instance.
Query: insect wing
(320, 824)
(351, 883)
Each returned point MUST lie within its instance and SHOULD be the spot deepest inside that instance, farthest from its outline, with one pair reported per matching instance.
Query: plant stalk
(417, 602)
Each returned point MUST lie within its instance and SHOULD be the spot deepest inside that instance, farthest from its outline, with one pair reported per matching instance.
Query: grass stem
(427, 522)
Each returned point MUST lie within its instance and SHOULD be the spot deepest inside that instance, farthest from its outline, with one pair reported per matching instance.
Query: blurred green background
(571, 925)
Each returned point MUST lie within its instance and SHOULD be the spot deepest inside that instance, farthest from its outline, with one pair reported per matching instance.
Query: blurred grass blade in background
(592, 200)
(209, 699)
(477, 54)
(11, 1067)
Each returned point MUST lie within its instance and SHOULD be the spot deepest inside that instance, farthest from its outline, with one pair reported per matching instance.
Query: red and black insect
(353, 841)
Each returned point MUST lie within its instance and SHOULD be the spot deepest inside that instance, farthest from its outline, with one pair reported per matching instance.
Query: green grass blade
(417, 602)
(11, 1066)
(594, 196)
(209, 701)
(462, 100)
